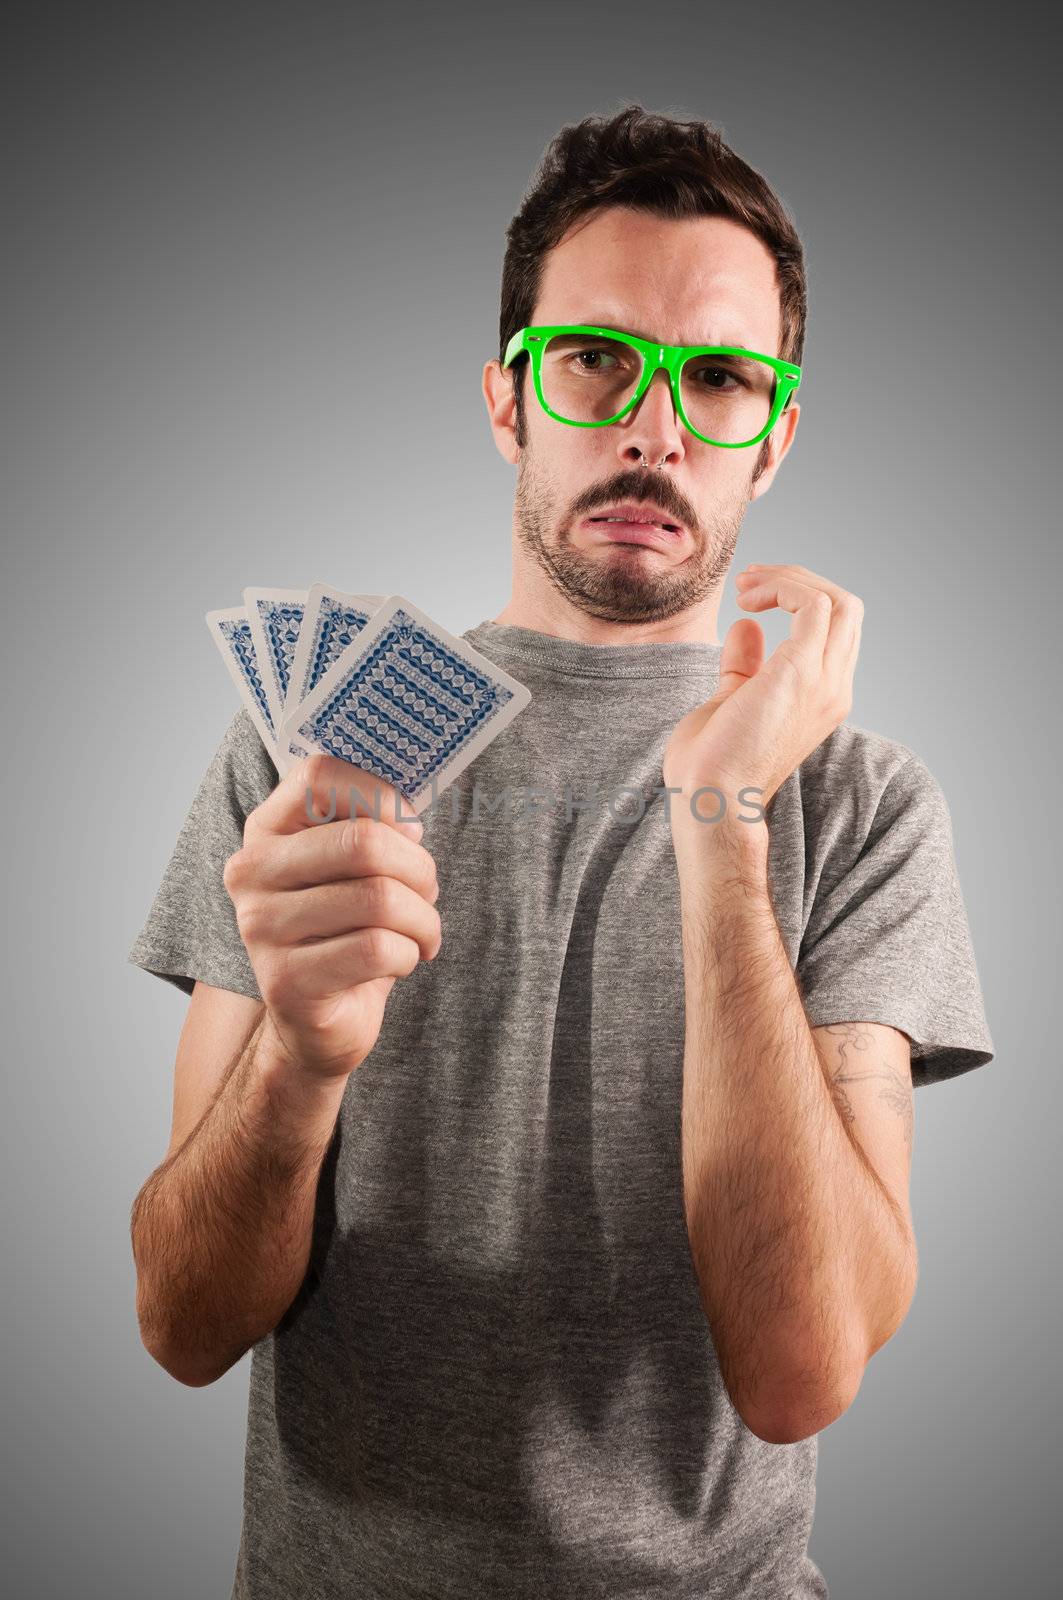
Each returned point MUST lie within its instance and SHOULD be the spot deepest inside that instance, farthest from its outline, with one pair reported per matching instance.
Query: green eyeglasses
(589, 377)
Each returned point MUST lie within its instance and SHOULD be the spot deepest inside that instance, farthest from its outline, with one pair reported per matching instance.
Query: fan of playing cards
(369, 679)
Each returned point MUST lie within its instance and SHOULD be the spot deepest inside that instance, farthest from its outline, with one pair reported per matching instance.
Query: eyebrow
(622, 327)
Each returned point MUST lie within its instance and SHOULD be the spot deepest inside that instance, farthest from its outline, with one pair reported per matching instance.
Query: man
(565, 1208)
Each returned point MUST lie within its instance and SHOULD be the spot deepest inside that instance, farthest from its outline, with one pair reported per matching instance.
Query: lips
(632, 512)
(645, 533)
(644, 524)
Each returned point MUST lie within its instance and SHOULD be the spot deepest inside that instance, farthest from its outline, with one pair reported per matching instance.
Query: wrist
(286, 1080)
(729, 848)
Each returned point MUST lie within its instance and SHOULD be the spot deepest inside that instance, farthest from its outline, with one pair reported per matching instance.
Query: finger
(322, 785)
(843, 645)
(302, 916)
(812, 614)
(759, 569)
(319, 970)
(337, 852)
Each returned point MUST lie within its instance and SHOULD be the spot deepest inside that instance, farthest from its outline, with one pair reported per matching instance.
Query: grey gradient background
(231, 235)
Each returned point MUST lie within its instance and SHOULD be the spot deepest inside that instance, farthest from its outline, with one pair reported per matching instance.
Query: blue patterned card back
(333, 622)
(237, 635)
(231, 631)
(408, 701)
(275, 616)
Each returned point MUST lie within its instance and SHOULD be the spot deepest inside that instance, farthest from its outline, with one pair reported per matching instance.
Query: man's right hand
(331, 913)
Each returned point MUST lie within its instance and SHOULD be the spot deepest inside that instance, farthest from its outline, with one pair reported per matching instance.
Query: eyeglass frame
(671, 357)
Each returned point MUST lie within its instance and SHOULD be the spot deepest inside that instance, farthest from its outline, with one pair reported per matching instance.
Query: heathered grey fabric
(498, 1379)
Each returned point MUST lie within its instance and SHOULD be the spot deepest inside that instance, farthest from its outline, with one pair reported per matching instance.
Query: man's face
(703, 280)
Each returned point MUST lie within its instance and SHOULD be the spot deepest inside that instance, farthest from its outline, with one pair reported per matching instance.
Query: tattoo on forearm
(852, 1043)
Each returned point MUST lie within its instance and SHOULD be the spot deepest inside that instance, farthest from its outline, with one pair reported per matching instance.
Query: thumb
(743, 655)
(741, 659)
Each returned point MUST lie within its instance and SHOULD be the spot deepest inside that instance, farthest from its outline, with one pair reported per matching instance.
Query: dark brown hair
(653, 163)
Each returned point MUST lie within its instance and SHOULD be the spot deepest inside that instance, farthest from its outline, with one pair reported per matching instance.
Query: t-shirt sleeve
(191, 930)
(888, 939)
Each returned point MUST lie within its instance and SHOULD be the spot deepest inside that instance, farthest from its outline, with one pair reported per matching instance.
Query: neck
(554, 615)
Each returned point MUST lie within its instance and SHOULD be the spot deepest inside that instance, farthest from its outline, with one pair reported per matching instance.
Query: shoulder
(858, 783)
(242, 771)
(864, 762)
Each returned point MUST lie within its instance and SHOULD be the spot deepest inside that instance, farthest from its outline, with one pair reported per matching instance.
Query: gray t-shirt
(497, 1378)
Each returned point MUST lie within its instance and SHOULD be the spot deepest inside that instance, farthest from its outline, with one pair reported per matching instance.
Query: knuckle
(355, 838)
(314, 768)
(253, 821)
(231, 871)
(379, 840)
(249, 919)
(380, 894)
(236, 870)
(312, 783)
(274, 976)
(378, 945)
(787, 665)
(380, 843)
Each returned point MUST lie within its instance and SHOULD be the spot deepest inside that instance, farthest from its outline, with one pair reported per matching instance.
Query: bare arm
(221, 1230)
(804, 1259)
(331, 915)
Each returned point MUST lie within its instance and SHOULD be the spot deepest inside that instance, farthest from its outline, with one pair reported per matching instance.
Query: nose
(652, 429)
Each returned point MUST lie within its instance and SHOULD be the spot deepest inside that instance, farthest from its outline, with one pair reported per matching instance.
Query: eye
(582, 354)
(720, 372)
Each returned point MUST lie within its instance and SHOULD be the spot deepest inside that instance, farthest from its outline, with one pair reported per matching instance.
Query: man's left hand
(767, 716)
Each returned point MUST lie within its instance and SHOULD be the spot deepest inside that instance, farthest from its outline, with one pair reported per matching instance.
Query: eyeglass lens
(590, 378)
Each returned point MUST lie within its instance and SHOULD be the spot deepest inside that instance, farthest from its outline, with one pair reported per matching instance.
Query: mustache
(638, 489)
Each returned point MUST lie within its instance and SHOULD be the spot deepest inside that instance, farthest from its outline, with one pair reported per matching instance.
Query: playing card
(408, 701)
(231, 632)
(275, 616)
(331, 620)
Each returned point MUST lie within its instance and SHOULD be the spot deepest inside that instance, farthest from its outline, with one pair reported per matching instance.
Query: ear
(502, 409)
(780, 439)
